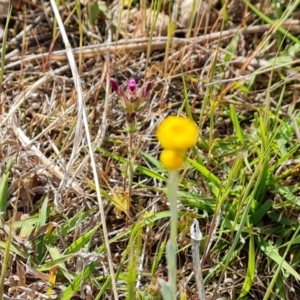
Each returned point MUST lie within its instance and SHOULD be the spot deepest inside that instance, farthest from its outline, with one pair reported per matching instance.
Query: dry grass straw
(82, 122)
(141, 44)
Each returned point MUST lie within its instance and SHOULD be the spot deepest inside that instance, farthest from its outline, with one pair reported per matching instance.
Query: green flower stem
(130, 158)
(172, 243)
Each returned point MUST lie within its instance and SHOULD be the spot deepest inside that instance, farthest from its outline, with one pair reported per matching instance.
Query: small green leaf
(93, 11)
(261, 212)
(280, 219)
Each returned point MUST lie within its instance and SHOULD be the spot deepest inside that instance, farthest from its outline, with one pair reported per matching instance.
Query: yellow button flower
(177, 133)
(172, 159)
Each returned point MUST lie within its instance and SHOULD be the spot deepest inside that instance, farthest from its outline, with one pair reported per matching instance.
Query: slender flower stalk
(176, 135)
(133, 98)
(172, 244)
(130, 164)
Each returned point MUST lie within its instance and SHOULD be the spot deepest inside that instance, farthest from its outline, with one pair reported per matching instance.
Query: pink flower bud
(114, 85)
(133, 98)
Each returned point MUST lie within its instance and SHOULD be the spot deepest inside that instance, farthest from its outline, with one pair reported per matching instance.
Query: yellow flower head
(172, 159)
(177, 133)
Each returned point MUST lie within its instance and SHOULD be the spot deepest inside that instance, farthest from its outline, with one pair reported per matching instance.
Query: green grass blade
(42, 221)
(82, 241)
(261, 212)
(5, 261)
(278, 271)
(4, 46)
(277, 24)
(272, 252)
(4, 189)
(236, 124)
(210, 177)
(250, 269)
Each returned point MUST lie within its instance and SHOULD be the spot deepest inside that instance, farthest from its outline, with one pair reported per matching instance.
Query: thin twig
(196, 237)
